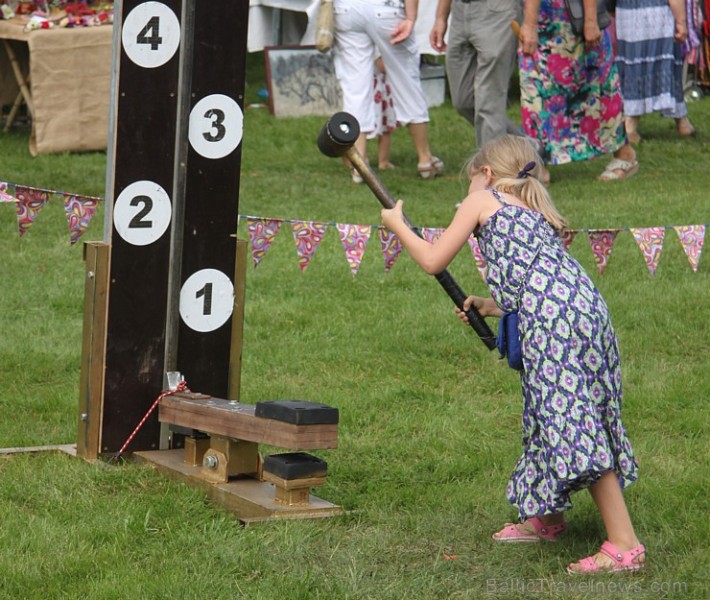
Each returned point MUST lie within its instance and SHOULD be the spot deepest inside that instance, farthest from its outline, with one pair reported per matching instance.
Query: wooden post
(96, 258)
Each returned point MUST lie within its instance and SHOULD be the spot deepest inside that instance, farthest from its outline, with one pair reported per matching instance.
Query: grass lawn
(429, 419)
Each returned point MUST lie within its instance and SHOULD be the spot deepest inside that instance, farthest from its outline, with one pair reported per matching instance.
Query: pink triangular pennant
(307, 235)
(79, 212)
(431, 234)
(650, 242)
(478, 256)
(567, 237)
(354, 239)
(602, 241)
(391, 247)
(29, 203)
(691, 238)
(261, 233)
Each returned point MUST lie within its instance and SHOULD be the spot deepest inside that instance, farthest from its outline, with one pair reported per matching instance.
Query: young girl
(572, 432)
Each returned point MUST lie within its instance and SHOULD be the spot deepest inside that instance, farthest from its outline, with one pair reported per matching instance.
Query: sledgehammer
(337, 139)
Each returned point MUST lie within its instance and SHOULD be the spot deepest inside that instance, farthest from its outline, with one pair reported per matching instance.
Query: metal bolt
(84, 417)
(344, 127)
(210, 461)
(90, 274)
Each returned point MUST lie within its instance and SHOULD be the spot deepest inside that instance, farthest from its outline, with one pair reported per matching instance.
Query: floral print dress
(571, 383)
(570, 94)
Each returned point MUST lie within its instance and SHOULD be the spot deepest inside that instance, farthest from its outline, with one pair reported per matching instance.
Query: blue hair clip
(525, 171)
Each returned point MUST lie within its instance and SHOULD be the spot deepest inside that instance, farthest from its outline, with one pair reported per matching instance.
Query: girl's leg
(608, 497)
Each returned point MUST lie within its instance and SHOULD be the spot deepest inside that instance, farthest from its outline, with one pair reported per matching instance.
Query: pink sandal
(511, 534)
(623, 561)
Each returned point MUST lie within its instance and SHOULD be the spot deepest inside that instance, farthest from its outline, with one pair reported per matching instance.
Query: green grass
(429, 418)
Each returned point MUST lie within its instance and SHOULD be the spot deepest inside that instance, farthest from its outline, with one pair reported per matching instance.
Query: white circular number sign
(206, 300)
(216, 126)
(151, 34)
(142, 213)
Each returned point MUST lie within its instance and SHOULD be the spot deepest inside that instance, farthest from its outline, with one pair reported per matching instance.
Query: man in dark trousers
(480, 59)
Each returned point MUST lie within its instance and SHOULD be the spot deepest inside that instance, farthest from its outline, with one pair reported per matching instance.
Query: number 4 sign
(151, 34)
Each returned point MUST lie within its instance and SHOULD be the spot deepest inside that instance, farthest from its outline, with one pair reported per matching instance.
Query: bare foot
(685, 127)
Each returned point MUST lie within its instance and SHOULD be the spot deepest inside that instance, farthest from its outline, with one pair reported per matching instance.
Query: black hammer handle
(336, 139)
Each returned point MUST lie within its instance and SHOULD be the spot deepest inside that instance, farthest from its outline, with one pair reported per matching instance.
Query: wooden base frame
(249, 499)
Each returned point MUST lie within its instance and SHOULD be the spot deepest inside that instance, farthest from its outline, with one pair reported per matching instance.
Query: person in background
(649, 57)
(365, 29)
(570, 93)
(572, 434)
(385, 121)
(480, 60)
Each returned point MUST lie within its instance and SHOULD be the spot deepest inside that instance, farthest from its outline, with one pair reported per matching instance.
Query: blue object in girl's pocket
(508, 340)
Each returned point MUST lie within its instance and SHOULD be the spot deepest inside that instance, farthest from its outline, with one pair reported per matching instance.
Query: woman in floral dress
(569, 87)
(572, 434)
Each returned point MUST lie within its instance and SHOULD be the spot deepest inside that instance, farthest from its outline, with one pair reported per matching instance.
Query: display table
(69, 73)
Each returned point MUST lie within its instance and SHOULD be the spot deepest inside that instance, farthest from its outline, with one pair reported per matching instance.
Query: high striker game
(165, 288)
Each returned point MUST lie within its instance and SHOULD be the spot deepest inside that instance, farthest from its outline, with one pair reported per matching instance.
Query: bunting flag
(650, 242)
(29, 202)
(79, 214)
(431, 234)
(568, 236)
(478, 256)
(308, 236)
(354, 239)
(691, 238)
(601, 241)
(261, 233)
(390, 245)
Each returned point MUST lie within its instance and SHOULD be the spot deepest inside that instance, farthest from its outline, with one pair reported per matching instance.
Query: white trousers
(362, 32)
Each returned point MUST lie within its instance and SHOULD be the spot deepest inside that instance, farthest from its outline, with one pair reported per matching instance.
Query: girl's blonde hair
(507, 156)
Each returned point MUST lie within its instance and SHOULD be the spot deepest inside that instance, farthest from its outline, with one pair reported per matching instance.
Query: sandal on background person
(619, 169)
(431, 169)
(631, 560)
(511, 533)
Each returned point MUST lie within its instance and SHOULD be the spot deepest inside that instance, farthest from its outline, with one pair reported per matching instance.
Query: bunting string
(307, 235)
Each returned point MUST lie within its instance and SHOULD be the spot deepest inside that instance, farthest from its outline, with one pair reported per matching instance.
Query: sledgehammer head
(338, 134)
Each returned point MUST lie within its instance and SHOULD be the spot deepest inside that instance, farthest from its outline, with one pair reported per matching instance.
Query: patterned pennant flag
(567, 237)
(29, 202)
(691, 238)
(354, 239)
(79, 212)
(478, 256)
(431, 234)
(602, 241)
(261, 233)
(650, 242)
(391, 247)
(307, 235)
(5, 195)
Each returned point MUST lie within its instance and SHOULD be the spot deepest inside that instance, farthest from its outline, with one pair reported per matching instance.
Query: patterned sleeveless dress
(571, 383)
